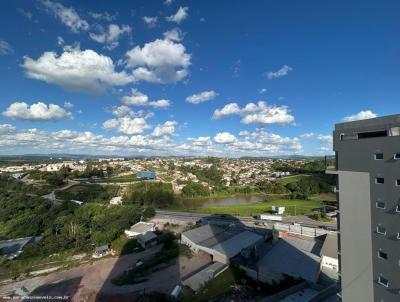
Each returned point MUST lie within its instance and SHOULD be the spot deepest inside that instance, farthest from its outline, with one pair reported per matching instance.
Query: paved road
(52, 195)
(302, 220)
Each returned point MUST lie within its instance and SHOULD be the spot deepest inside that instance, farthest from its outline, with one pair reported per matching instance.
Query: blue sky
(225, 78)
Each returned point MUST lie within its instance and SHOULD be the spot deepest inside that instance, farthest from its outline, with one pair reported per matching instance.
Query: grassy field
(294, 206)
(88, 193)
(292, 179)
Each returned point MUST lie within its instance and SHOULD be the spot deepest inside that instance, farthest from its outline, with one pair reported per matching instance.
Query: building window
(372, 134)
(398, 236)
(378, 156)
(397, 182)
(379, 180)
(382, 255)
(380, 205)
(381, 230)
(396, 156)
(383, 281)
(398, 208)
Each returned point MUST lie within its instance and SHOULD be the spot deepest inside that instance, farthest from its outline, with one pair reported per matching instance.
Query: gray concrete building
(368, 169)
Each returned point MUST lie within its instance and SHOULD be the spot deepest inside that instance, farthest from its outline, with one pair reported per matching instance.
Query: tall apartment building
(368, 169)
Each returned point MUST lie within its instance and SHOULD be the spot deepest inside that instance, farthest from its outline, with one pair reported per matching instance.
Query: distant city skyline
(225, 78)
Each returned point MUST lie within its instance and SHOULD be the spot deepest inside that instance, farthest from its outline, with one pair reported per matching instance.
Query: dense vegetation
(155, 194)
(302, 188)
(63, 227)
(193, 189)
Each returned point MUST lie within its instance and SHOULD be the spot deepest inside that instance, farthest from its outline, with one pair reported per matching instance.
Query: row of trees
(301, 189)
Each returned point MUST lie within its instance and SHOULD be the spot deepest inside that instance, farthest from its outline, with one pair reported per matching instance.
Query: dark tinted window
(382, 255)
(372, 134)
(378, 155)
(380, 180)
(383, 281)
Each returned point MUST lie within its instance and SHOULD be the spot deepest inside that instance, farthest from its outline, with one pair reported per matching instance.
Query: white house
(140, 228)
(117, 200)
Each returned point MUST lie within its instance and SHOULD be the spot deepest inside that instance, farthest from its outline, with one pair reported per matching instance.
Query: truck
(269, 217)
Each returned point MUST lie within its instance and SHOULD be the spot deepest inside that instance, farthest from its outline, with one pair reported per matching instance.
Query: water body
(225, 201)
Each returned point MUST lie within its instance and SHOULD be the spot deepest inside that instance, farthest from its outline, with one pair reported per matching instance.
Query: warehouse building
(222, 243)
(146, 175)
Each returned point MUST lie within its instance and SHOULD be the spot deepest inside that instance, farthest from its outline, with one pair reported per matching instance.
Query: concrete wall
(267, 276)
(329, 262)
(355, 237)
(220, 257)
(189, 243)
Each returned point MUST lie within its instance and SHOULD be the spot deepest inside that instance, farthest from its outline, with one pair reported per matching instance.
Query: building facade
(368, 169)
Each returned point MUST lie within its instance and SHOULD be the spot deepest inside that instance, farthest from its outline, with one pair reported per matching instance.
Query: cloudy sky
(225, 78)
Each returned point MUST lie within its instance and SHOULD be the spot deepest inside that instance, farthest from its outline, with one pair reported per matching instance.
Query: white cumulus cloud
(138, 98)
(202, 97)
(36, 112)
(174, 34)
(179, 16)
(110, 37)
(257, 113)
(168, 129)
(160, 61)
(224, 138)
(127, 125)
(68, 105)
(76, 69)
(325, 138)
(362, 115)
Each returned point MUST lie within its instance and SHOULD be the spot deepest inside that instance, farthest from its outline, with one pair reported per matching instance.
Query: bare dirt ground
(92, 281)
(84, 280)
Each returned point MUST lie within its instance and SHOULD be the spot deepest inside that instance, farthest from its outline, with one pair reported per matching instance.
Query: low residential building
(147, 239)
(140, 228)
(117, 200)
